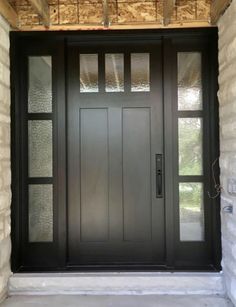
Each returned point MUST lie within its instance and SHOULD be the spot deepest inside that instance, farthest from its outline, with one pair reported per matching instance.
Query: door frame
(55, 43)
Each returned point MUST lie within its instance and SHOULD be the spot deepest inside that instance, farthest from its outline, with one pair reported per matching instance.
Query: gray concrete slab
(116, 301)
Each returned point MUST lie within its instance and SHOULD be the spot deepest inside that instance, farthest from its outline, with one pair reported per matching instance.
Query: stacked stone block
(5, 172)
(227, 100)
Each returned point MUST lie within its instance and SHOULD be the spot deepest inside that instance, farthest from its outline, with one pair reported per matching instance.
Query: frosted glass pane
(140, 72)
(190, 146)
(191, 211)
(41, 213)
(114, 72)
(40, 84)
(88, 73)
(40, 148)
(189, 81)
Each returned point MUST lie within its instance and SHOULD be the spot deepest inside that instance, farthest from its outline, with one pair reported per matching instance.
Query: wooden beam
(106, 21)
(218, 7)
(168, 7)
(86, 27)
(42, 9)
(7, 11)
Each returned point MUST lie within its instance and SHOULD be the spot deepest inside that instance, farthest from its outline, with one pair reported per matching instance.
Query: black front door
(114, 137)
(115, 155)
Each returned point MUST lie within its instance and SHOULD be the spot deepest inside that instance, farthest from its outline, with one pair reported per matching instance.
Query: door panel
(114, 215)
(137, 174)
(94, 174)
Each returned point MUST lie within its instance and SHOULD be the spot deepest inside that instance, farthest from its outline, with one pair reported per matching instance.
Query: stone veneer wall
(227, 100)
(5, 172)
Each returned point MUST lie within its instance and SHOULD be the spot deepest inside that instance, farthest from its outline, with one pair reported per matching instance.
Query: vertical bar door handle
(159, 174)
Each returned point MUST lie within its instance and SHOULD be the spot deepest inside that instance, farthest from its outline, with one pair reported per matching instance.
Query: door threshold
(117, 283)
(120, 268)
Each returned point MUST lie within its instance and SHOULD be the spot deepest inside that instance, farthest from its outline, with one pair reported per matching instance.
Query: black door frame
(55, 44)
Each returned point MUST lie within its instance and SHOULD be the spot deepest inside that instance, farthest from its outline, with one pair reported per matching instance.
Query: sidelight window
(40, 149)
(190, 147)
(189, 81)
(40, 213)
(40, 84)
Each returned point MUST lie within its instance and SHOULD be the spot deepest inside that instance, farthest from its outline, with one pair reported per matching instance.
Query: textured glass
(189, 81)
(114, 72)
(140, 72)
(190, 146)
(88, 73)
(40, 148)
(40, 84)
(191, 211)
(40, 213)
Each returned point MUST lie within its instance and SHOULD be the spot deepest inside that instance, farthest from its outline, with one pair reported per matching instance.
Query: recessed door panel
(94, 174)
(137, 174)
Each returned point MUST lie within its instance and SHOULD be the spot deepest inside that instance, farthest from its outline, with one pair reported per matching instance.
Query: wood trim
(42, 9)
(168, 7)
(106, 21)
(218, 8)
(9, 13)
(78, 27)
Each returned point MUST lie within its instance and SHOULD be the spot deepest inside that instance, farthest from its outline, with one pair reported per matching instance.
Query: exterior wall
(5, 173)
(227, 100)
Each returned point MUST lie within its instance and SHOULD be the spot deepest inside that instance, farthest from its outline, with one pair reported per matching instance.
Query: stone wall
(227, 100)
(5, 172)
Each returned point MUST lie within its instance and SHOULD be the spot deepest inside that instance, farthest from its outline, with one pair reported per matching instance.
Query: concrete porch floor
(117, 301)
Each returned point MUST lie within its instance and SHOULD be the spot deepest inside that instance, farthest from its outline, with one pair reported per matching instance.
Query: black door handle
(159, 174)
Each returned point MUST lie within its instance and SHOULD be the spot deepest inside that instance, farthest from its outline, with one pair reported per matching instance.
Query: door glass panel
(189, 81)
(114, 72)
(190, 146)
(40, 84)
(191, 211)
(88, 73)
(140, 72)
(40, 148)
(40, 213)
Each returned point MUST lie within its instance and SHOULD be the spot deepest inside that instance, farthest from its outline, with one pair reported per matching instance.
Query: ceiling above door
(111, 14)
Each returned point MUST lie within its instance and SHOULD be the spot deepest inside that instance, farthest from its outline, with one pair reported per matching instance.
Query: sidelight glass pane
(88, 73)
(40, 84)
(189, 81)
(40, 148)
(114, 72)
(40, 213)
(190, 146)
(191, 211)
(140, 72)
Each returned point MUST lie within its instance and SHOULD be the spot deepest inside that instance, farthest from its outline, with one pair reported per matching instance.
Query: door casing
(179, 256)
